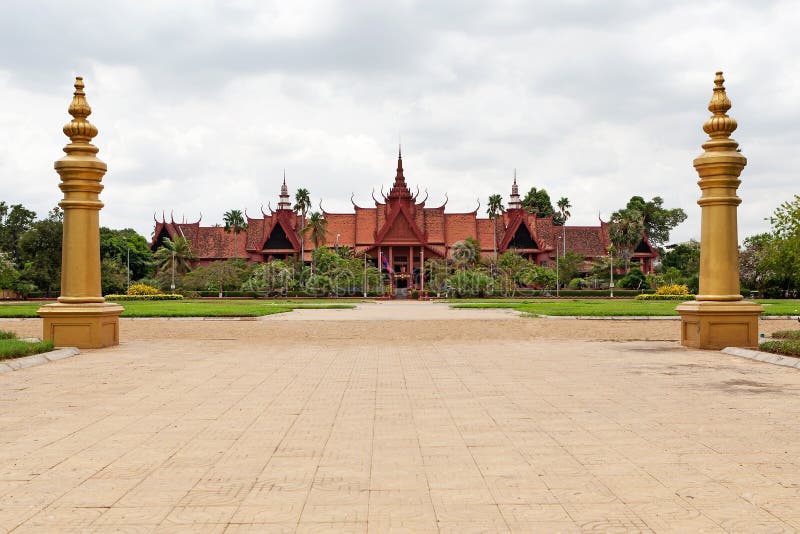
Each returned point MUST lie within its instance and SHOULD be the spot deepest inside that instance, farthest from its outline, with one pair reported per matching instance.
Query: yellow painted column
(81, 317)
(719, 317)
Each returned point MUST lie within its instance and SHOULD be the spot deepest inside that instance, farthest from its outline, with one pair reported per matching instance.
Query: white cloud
(201, 109)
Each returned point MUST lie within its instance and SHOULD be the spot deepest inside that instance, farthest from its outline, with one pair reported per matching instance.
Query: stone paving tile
(419, 426)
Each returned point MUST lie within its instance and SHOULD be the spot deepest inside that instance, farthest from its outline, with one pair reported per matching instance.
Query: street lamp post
(611, 269)
(557, 274)
(365, 275)
(129, 267)
(172, 285)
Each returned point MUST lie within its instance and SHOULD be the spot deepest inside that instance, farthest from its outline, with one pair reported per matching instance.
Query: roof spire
(399, 188)
(284, 203)
(514, 203)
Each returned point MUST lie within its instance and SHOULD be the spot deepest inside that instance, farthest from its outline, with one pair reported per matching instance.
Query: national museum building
(401, 230)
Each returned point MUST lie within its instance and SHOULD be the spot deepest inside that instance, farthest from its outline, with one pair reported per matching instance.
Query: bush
(673, 289)
(656, 296)
(141, 290)
(162, 296)
(787, 347)
(635, 279)
(13, 348)
(319, 284)
(577, 283)
(7, 335)
(786, 334)
(414, 294)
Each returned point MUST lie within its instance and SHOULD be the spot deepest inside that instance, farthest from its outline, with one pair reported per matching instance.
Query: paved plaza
(407, 417)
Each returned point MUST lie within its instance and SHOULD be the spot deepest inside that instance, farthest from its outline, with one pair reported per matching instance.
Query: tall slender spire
(284, 203)
(399, 188)
(514, 203)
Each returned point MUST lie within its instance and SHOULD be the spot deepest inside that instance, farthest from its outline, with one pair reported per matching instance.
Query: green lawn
(609, 307)
(10, 347)
(191, 308)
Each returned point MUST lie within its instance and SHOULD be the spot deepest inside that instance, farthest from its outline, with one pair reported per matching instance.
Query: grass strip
(785, 347)
(191, 308)
(14, 348)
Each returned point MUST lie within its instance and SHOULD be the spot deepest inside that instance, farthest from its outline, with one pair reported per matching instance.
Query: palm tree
(563, 208)
(466, 252)
(625, 230)
(178, 252)
(234, 222)
(302, 203)
(318, 226)
(495, 207)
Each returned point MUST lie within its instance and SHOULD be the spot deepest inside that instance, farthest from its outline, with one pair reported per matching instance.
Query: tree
(113, 276)
(234, 222)
(115, 244)
(302, 203)
(466, 253)
(625, 230)
(14, 221)
(782, 255)
(40, 253)
(752, 274)
(658, 221)
(318, 227)
(570, 266)
(223, 275)
(177, 254)
(9, 276)
(564, 214)
(538, 201)
(684, 256)
(494, 210)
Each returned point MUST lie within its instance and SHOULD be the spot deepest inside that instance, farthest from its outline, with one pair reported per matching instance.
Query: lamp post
(172, 285)
(557, 242)
(129, 266)
(611, 269)
(365, 274)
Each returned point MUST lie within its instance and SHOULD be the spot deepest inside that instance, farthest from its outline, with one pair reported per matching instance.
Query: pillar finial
(79, 129)
(720, 126)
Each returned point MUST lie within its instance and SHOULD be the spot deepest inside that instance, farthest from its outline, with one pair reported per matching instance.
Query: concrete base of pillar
(86, 326)
(718, 324)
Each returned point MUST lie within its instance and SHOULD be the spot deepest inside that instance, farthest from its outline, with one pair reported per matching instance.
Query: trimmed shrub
(787, 347)
(673, 289)
(143, 297)
(786, 334)
(141, 290)
(656, 296)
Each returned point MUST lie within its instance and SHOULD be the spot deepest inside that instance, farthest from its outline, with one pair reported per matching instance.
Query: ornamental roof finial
(79, 129)
(719, 125)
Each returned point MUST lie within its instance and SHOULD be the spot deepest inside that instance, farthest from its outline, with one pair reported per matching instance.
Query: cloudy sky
(202, 104)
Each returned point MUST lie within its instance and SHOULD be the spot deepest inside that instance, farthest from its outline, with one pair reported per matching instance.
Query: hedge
(651, 296)
(786, 334)
(787, 347)
(143, 297)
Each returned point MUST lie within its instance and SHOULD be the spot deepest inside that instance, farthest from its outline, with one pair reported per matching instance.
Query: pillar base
(86, 326)
(715, 325)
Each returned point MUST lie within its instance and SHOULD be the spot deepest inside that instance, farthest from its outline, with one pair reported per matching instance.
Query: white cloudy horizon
(201, 106)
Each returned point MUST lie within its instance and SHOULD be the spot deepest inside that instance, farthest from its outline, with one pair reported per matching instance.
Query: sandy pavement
(399, 417)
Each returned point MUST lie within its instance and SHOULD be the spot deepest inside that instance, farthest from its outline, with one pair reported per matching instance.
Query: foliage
(143, 289)
(302, 204)
(674, 289)
(113, 276)
(115, 244)
(275, 277)
(158, 296)
(40, 253)
(601, 268)
(625, 231)
(466, 253)
(538, 201)
(577, 283)
(14, 221)
(436, 273)
(177, 253)
(786, 334)
(685, 257)
(223, 275)
(569, 266)
(9, 276)
(5, 334)
(319, 284)
(563, 211)
(658, 221)
(635, 279)
(787, 347)
(318, 226)
(653, 296)
(470, 283)
(234, 222)
(494, 210)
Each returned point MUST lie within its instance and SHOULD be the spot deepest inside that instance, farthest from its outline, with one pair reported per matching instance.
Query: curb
(612, 317)
(16, 364)
(766, 357)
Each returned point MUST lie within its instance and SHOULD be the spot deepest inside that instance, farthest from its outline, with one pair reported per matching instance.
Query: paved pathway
(485, 424)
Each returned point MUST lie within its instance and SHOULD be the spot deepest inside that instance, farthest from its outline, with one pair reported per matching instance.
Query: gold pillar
(719, 317)
(81, 317)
